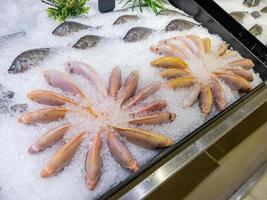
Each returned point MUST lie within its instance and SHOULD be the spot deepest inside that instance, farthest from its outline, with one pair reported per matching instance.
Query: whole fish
(179, 25)
(137, 33)
(130, 86)
(234, 81)
(62, 156)
(150, 107)
(145, 92)
(218, 93)
(87, 72)
(120, 152)
(169, 62)
(194, 94)
(158, 118)
(168, 50)
(69, 27)
(199, 43)
(244, 63)
(59, 80)
(241, 72)
(114, 83)
(174, 73)
(181, 82)
(125, 19)
(43, 115)
(94, 162)
(12, 35)
(238, 15)
(49, 138)
(171, 13)
(205, 99)
(207, 44)
(49, 98)
(251, 3)
(87, 42)
(144, 138)
(256, 30)
(29, 59)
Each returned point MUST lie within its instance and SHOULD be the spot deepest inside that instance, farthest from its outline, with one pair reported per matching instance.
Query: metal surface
(244, 189)
(161, 175)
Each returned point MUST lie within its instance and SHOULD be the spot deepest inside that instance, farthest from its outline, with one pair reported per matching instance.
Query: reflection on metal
(166, 171)
(244, 189)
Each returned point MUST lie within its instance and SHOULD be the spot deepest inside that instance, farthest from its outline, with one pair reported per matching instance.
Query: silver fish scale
(87, 42)
(69, 27)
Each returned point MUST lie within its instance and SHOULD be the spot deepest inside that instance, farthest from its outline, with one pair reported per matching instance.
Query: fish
(125, 19)
(207, 44)
(62, 156)
(49, 98)
(264, 10)
(130, 86)
(189, 43)
(193, 95)
(205, 99)
(256, 30)
(171, 13)
(238, 15)
(137, 33)
(59, 80)
(181, 82)
(12, 35)
(145, 92)
(255, 14)
(94, 162)
(28, 59)
(120, 152)
(168, 50)
(218, 93)
(20, 108)
(87, 41)
(114, 83)
(223, 47)
(199, 43)
(158, 118)
(43, 115)
(144, 138)
(179, 25)
(235, 82)
(242, 73)
(179, 44)
(174, 73)
(244, 63)
(49, 138)
(251, 3)
(87, 72)
(230, 54)
(150, 107)
(69, 27)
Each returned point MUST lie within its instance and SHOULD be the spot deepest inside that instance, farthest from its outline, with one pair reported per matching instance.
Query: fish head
(20, 65)
(81, 44)
(62, 30)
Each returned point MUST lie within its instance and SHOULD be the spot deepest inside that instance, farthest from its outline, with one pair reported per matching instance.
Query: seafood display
(128, 100)
(251, 14)
(203, 77)
(75, 130)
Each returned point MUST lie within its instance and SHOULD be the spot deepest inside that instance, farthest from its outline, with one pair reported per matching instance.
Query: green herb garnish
(155, 5)
(62, 9)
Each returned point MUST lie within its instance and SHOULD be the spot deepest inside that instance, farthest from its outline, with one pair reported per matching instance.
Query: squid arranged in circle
(130, 101)
(191, 61)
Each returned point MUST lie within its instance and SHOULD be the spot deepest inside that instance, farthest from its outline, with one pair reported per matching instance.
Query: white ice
(19, 172)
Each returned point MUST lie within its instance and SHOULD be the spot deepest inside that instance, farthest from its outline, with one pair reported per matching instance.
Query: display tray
(217, 21)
